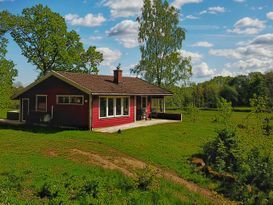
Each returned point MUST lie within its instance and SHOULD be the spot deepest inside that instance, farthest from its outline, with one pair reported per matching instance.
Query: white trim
(114, 108)
(22, 109)
(40, 95)
(164, 107)
(90, 112)
(69, 96)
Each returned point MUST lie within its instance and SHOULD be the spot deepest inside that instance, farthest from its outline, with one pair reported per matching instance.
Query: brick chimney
(118, 75)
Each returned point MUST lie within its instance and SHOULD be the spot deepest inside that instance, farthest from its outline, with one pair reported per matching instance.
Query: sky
(223, 37)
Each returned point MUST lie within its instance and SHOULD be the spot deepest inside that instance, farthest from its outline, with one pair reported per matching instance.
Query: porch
(141, 123)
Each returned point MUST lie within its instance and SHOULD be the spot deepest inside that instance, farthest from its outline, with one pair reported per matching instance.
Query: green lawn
(22, 154)
(3, 113)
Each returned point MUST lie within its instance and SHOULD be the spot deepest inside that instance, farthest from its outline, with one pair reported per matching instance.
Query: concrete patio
(142, 123)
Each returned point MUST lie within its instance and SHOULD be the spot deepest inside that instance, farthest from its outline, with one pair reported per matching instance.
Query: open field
(35, 160)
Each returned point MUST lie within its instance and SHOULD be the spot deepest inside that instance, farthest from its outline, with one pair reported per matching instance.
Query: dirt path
(128, 166)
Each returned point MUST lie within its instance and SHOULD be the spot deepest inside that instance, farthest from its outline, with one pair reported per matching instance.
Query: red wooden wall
(67, 115)
(107, 122)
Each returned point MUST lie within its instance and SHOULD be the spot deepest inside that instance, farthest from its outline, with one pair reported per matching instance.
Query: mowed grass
(3, 113)
(25, 152)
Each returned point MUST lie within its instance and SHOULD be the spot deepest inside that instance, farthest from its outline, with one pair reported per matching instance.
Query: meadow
(38, 164)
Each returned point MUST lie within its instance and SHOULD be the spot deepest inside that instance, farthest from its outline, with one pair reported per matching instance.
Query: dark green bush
(221, 154)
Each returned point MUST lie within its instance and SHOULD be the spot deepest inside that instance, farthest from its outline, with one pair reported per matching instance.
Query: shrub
(146, 179)
(221, 153)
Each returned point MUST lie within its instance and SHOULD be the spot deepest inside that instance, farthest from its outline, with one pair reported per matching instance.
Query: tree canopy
(7, 75)
(45, 41)
(160, 39)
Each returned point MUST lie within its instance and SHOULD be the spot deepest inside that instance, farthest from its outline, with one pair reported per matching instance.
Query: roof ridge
(94, 74)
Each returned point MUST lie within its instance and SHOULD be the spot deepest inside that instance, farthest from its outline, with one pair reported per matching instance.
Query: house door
(25, 108)
(141, 107)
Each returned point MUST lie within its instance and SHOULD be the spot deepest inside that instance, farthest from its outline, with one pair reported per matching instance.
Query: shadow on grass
(32, 128)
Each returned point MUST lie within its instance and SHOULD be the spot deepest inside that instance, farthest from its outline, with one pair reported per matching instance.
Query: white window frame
(121, 107)
(69, 96)
(114, 113)
(36, 103)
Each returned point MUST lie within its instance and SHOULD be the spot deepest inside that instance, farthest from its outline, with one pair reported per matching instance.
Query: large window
(41, 103)
(114, 106)
(103, 107)
(70, 99)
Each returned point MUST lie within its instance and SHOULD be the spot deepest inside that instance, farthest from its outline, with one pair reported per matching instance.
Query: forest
(238, 90)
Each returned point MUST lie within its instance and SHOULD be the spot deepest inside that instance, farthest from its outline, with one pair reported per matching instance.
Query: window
(118, 106)
(110, 107)
(41, 103)
(103, 107)
(70, 99)
(114, 107)
(76, 100)
(125, 106)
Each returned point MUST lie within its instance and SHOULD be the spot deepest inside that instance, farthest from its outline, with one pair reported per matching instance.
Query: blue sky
(227, 37)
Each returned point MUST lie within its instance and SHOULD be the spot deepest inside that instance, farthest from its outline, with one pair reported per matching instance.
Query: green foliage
(230, 94)
(160, 39)
(254, 183)
(44, 40)
(7, 75)
(147, 179)
(224, 112)
(222, 153)
(193, 112)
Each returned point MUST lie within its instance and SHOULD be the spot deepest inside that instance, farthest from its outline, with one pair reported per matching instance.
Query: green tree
(230, 94)
(92, 59)
(7, 75)
(44, 40)
(160, 40)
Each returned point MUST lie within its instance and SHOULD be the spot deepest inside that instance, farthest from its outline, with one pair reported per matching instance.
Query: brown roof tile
(100, 84)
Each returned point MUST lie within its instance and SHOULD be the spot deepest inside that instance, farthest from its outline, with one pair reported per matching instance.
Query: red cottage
(89, 101)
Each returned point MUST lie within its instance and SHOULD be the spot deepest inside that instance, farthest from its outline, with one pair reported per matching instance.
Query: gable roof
(102, 84)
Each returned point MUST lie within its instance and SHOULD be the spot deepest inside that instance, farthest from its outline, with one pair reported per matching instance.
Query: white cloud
(214, 10)
(270, 15)
(200, 68)
(239, 1)
(203, 44)
(195, 57)
(123, 8)
(203, 70)
(109, 56)
(95, 38)
(179, 3)
(191, 17)
(253, 55)
(89, 20)
(248, 26)
(126, 33)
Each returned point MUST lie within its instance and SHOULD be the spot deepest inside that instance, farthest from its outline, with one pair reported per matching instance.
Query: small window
(63, 99)
(102, 107)
(110, 106)
(118, 106)
(125, 106)
(41, 103)
(70, 99)
(76, 100)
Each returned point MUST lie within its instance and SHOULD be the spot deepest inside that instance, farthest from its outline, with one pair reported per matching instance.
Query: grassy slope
(168, 145)
(3, 113)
